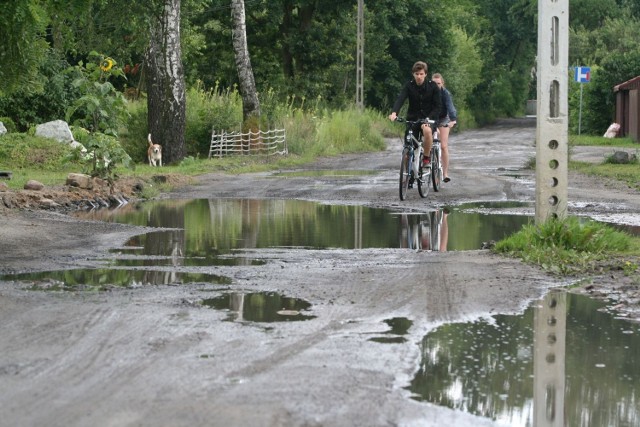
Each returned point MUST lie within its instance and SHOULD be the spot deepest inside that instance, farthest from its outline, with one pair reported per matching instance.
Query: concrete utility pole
(552, 154)
(360, 57)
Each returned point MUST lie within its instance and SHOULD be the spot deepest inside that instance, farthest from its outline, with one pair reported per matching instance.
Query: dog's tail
(149, 139)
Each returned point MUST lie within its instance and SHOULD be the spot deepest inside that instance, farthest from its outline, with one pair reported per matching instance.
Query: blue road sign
(583, 74)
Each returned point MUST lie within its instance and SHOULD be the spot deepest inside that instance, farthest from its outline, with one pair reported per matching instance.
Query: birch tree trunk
(250, 103)
(166, 95)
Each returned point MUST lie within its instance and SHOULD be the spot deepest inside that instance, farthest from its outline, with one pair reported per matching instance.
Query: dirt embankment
(66, 198)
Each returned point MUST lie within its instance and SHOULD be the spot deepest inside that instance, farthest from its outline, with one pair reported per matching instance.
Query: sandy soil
(155, 356)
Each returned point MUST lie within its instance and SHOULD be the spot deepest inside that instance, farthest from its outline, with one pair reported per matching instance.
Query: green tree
(22, 45)
(508, 39)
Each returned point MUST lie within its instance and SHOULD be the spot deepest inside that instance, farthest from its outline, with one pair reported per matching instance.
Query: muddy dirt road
(155, 356)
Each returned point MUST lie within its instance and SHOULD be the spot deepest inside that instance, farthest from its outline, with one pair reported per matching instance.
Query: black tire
(405, 168)
(424, 182)
(436, 171)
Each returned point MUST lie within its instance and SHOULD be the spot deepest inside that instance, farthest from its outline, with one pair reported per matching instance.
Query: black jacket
(424, 101)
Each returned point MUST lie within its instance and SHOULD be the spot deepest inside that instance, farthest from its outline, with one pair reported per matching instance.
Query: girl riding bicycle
(447, 120)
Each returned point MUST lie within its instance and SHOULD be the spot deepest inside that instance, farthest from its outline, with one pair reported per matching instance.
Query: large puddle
(202, 232)
(206, 230)
(564, 362)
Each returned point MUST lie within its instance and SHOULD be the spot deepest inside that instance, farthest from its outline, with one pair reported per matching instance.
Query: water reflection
(205, 231)
(260, 307)
(103, 278)
(427, 232)
(564, 362)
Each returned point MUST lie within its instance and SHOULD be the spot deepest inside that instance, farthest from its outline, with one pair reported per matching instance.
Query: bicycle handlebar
(427, 121)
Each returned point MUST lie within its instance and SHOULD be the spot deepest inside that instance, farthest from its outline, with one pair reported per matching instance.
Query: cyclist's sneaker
(411, 179)
(426, 161)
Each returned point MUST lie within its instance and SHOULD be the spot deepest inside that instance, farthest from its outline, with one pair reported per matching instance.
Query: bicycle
(411, 169)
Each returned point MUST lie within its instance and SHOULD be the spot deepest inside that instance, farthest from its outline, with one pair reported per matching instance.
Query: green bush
(103, 155)
(8, 124)
(209, 110)
(20, 151)
(133, 137)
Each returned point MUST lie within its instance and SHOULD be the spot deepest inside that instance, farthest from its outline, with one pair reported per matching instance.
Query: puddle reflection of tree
(171, 243)
(428, 232)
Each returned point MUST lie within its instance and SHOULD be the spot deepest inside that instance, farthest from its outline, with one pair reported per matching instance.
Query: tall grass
(347, 131)
(210, 110)
(567, 246)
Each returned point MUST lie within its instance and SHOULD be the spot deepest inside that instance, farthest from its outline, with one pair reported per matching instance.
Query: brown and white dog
(154, 153)
(613, 130)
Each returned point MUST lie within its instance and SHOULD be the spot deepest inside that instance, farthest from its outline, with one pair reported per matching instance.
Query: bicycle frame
(411, 169)
(414, 144)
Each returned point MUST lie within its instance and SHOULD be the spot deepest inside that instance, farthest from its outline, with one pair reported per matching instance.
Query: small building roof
(634, 83)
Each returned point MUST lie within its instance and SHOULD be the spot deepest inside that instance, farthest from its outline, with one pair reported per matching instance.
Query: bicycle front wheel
(436, 170)
(405, 170)
(424, 182)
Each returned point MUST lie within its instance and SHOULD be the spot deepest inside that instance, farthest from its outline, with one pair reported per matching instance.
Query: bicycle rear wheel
(436, 170)
(405, 169)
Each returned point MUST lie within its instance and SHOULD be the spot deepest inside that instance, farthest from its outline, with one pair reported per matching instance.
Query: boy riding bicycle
(424, 102)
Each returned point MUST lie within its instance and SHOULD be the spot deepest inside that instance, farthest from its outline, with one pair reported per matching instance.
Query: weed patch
(571, 246)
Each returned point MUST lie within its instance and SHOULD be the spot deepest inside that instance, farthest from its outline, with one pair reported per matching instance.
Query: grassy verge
(573, 246)
(628, 173)
(309, 135)
(599, 141)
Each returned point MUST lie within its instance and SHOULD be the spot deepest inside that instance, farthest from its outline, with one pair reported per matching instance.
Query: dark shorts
(417, 130)
(443, 121)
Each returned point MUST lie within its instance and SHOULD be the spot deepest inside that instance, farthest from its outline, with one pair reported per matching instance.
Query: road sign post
(582, 75)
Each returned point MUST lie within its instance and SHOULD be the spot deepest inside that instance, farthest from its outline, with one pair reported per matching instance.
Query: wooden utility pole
(360, 57)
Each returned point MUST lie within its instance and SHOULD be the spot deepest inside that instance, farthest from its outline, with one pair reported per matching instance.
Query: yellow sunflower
(106, 64)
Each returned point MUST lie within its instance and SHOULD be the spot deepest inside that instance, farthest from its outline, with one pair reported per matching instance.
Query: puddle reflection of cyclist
(424, 102)
(429, 234)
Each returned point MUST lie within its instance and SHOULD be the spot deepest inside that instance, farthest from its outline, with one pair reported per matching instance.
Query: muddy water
(260, 307)
(203, 232)
(83, 279)
(208, 230)
(563, 362)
